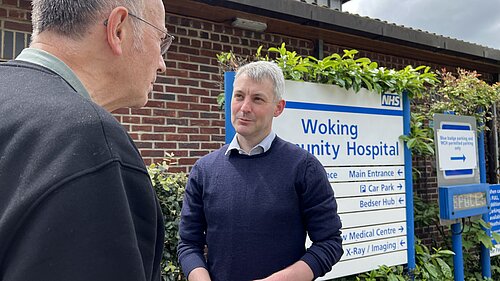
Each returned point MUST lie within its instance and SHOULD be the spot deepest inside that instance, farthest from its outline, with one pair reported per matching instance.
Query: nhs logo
(392, 100)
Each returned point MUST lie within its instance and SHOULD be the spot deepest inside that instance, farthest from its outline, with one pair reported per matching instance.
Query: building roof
(320, 17)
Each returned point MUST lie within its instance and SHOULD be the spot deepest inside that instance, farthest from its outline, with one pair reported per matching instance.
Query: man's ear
(280, 106)
(116, 30)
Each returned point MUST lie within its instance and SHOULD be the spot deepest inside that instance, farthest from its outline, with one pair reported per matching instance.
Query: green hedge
(169, 188)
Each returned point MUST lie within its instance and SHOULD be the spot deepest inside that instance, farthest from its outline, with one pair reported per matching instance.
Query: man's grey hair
(260, 70)
(72, 18)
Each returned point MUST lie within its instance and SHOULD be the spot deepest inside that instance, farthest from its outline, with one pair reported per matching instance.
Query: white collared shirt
(261, 147)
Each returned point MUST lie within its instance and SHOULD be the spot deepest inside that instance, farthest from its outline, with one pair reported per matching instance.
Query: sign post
(460, 192)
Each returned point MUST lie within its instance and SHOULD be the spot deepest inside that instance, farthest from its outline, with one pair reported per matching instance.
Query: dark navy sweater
(254, 212)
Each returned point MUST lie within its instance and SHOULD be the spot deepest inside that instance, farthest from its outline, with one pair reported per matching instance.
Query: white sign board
(356, 138)
(494, 216)
(457, 149)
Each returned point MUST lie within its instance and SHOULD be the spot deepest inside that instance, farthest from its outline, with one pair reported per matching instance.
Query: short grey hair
(260, 70)
(72, 17)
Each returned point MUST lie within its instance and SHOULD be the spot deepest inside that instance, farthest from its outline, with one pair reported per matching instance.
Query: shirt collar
(261, 147)
(51, 62)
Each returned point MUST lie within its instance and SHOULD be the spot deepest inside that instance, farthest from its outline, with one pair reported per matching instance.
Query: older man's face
(147, 61)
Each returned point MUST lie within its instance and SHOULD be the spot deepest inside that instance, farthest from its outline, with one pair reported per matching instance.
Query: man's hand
(199, 274)
(298, 271)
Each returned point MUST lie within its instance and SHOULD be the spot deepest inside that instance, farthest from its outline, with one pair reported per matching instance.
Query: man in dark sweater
(252, 202)
(76, 200)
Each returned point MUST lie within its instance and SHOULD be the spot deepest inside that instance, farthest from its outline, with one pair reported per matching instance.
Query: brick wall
(15, 27)
(182, 115)
(16, 11)
(184, 104)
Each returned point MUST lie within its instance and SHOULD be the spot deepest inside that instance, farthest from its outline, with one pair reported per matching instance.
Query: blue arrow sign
(455, 158)
(402, 243)
(400, 186)
(399, 172)
(401, 200)
(401, 228)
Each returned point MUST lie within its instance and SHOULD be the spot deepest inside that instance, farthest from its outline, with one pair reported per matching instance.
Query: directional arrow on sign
(400, 186)
(458, 158)
(402, 243)
(401, 200)
(399, 172)
(401, 228)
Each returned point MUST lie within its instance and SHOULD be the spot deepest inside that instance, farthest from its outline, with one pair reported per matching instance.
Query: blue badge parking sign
(456, 149)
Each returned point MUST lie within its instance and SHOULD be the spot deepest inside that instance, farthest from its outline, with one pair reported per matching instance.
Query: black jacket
(76, 202)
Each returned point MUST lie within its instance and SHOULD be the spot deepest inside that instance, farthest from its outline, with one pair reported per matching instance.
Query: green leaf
(484, 224)
(486, 241)
(445, 268)
(495, 236)
(446, 252)
(411, 142)
(431, 269)
(367, 84)
(257, 54)
(392, 277)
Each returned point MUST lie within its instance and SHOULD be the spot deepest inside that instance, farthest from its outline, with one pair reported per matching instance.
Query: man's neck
(247, 144)
(76, 56)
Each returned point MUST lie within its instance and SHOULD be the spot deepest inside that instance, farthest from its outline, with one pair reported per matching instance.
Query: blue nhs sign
(392, 100)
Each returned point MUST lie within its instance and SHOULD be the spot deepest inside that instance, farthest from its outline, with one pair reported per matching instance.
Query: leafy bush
(169, 188)
(350, 72)
(431, 266)
(344, 70)
(465, 94)
(393, 273)
(473, 236)
(421, 138)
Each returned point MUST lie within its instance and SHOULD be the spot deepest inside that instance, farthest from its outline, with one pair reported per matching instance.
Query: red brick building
(182, 116)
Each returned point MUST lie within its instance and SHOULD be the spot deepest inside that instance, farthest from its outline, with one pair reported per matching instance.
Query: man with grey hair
(253, 201)
(77, 202)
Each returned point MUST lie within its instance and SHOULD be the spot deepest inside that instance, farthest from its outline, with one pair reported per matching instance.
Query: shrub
(344, 70)
(169, 188)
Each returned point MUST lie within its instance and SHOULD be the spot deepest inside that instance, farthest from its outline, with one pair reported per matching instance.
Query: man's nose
(162, 67)
(246, 105)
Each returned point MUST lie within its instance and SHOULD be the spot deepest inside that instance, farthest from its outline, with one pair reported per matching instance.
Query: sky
(474, 21)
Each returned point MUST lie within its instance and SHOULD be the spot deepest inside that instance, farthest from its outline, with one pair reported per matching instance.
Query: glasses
(165, 42)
